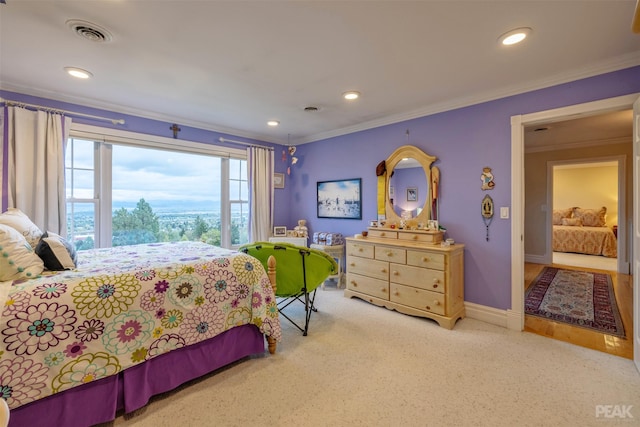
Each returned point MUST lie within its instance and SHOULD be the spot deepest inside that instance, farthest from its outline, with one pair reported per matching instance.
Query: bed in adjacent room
(129, 322)
(583, 231)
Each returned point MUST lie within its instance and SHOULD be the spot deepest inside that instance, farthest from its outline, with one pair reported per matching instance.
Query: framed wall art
(340, 199)
(278, 180)
(412, 194)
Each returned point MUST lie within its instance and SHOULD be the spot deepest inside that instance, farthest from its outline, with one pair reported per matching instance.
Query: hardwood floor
(623, 289)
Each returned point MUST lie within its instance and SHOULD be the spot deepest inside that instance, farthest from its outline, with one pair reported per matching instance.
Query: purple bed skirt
(131, 389)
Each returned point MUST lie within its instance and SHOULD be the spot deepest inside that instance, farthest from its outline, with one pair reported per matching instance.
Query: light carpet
(363, 365)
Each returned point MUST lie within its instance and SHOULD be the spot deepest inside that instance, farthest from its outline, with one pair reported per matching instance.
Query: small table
(298, 241)
(337, 253)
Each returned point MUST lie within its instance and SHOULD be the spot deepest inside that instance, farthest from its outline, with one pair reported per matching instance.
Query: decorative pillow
(572, 221)
(559, 214)
(591, 217)
(56, 252)
(17, 219)
(17, 258)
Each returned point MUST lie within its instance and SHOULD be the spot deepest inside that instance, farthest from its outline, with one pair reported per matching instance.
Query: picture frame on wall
(280, 231)
(340, 199)
(412, 194)
(278, 180)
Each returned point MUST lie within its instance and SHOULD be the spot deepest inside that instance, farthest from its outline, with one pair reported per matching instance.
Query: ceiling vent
(311, 108)
(89, 31)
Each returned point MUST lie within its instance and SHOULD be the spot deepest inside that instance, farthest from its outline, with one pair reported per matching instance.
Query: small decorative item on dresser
(279, 231)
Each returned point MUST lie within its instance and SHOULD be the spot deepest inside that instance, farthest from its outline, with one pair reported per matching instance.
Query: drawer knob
(395, 273)
(383, 234)
(435, 285)
(353, 282)
(360, 249)
(353, 264)
(415, 237)
(383, 270)
(425, 259)
(389, 254)
(384, 290)
(428, 308)
(396, 293)
(436, 302)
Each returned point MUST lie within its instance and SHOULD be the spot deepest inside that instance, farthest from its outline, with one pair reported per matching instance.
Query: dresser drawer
(424, 278)
(384, 253)
(368, 267)
(368, 285)
(385, 234)
(424, 237)
(418, 298)
(426, 259)
(360, 249)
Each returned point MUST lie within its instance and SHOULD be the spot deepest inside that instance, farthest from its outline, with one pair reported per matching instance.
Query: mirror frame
(426, 161)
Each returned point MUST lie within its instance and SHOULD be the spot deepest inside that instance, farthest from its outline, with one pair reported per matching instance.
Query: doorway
(515, 316)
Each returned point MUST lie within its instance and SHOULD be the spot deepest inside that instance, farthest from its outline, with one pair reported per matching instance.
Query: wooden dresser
(406, 271)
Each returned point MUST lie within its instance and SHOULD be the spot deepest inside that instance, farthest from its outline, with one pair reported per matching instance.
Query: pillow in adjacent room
(17, 219)
(56, 252)
(591, 217)
(560, 214)
(17, 258)
(576, 222)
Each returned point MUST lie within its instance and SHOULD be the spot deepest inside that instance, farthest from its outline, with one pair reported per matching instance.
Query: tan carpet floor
(363, 365)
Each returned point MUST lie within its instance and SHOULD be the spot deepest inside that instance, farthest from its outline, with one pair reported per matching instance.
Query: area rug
(579, 298)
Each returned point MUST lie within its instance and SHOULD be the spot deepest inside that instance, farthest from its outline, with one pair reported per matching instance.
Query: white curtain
(36, 141)
(260, 167)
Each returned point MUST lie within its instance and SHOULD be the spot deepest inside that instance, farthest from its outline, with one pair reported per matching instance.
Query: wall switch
(504, 212)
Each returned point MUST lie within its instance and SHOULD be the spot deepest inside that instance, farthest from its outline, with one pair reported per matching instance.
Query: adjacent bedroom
(585, 214)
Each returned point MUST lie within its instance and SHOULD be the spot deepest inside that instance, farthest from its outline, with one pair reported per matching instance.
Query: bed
(130, 322)
(583, 231)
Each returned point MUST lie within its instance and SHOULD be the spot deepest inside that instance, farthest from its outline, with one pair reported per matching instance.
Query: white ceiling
(232, 65)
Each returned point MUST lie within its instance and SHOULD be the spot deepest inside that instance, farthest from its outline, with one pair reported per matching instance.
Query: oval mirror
(408, 189)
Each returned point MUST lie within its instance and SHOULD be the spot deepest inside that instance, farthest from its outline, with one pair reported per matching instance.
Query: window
(122, 192)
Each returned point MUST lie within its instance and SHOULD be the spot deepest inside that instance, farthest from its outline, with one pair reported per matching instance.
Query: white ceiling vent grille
(89, 31)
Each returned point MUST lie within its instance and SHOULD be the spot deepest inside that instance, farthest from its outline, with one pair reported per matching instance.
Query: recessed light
(273, 123)
(514, 36)
(351, 95)
(78, 72)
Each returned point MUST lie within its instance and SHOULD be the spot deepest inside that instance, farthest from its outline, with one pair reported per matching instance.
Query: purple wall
(464, 141)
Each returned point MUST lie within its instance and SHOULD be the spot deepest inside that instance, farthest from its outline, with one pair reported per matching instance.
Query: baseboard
(535, 259)
(491, 315)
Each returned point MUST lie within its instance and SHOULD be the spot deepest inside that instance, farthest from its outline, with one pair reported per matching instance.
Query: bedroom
(464, 136)
(580, 161)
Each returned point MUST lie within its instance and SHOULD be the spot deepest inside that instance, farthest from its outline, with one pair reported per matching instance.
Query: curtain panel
(260, 162)
(35, 142)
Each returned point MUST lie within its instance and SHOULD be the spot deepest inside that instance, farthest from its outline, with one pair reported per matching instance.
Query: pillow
(572, 221)
(17, 258)
(559, 214)
(591, 217)
(56, 252)
(17, 219)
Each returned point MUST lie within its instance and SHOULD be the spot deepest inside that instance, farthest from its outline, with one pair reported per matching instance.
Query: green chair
(299, 272)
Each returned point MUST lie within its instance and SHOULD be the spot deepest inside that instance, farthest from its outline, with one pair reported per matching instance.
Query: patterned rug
(579, 298)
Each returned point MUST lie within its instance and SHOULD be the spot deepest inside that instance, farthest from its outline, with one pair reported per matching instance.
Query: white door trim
(515, 315)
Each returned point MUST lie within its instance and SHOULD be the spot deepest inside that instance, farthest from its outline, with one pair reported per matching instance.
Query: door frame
(515, 315)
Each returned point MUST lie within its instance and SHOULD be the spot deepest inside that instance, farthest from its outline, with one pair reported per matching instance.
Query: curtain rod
(57, 110)
(222, 139)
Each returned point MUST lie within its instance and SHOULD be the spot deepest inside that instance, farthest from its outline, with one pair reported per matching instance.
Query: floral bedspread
(585, 240)
(121, 307)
